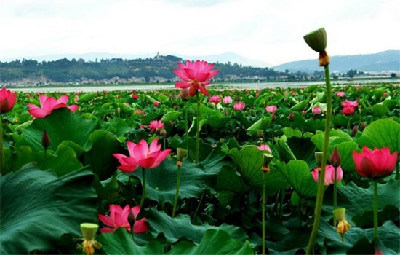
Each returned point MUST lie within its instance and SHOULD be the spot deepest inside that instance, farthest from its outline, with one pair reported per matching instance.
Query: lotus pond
(111, 159)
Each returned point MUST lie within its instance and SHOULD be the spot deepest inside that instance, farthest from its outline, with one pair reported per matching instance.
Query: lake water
(261, 85)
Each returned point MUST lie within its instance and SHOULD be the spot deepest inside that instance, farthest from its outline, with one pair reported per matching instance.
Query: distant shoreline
(255, 85)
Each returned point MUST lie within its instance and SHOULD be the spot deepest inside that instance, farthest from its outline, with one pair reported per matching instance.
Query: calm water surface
(260, 85)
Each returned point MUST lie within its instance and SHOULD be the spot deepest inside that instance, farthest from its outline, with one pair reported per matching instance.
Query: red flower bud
(335, 158)
(45, 140)
(291, 116)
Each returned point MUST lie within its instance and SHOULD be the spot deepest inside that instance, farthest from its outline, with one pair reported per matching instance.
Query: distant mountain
(383, 61)
(92, 56)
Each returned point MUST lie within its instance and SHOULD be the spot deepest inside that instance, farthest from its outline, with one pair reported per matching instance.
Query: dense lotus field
(111, 159)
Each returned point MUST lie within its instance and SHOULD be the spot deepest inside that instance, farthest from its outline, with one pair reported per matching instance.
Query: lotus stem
(198, 128)
(178, 183)
(375, 210)
(263, 215)
(320, 194)
(187, 127)
(144, 188)
(335, 195)
(2, 170)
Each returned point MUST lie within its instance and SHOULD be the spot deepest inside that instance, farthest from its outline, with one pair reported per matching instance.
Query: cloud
(266, 30)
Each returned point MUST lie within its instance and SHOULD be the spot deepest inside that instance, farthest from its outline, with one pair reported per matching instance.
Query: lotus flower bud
(335, 158)
(45, 140)
(181, 153)
(354, 130)
(291, 116)
(163, 133)
(362, 126)
(89, 230)
(184, 94)
(317, 40)
(318, 158)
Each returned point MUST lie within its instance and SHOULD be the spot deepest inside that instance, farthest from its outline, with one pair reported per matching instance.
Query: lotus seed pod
(89, 230)
(318, 158)
(317, 40)
(181, 153)
(339, 214)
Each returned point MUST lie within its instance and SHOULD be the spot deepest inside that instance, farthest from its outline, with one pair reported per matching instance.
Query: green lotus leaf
(61, 125)
(37, 208)
(381, 133)
(215, 241)
(180, 227)
(120, 242)
(250, 160)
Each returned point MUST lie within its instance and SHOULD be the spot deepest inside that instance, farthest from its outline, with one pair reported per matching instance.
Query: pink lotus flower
(264, 147)
(348, 110)
(156, 103)
(317, 110)
(214, 99)
(227, 100)
(376, 163)
(271, 108)
(48, 104)
(156, 125)
(340, 94)
(7, 100)
(135, 96)
(329, 174)
(118, 219)
(347, 103)
(239, 106)
(195, 76)
(142, 155)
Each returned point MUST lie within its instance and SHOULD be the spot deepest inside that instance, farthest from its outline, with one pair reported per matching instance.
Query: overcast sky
(265, 30)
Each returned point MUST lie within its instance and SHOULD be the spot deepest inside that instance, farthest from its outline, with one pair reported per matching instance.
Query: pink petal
(42, 99)
(135, 211)
(63, 99)
(131, 146)
(107, 230)
(73, 107)
(161, 157)
(154, 146)
(204, 90)
(140, 226)
(106, 220)
(38, 113)
(140, 150)
(32, 106)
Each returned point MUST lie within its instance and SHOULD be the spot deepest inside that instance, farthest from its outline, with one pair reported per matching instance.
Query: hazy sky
(266, 30)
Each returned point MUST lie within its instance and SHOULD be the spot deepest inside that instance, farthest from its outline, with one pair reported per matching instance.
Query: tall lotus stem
(178, 182)
(375, 210)
(263, 215)
(187, 127)
(2, 170)
(198, 128)
(335, 195)
(317, 40)
(144, 188)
